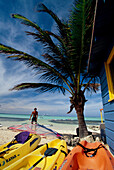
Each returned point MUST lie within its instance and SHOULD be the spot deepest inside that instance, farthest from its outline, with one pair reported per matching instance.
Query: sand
(6, 135)
(68, 131)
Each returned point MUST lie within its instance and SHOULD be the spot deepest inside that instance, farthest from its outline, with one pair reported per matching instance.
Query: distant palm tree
(63, 66)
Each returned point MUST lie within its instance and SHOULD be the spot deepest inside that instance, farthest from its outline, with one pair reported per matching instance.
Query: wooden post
(101, 115)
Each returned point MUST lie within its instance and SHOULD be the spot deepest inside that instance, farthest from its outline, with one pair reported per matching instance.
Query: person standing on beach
(34, 116)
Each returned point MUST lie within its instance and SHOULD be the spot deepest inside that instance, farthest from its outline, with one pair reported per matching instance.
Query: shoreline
(60, 126)
(14, 120)
(69, 121)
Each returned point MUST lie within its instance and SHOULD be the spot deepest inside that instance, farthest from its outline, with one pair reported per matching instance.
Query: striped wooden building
(101, 62)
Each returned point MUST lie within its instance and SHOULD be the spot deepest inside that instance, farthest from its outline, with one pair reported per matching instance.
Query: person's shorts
(33, 120)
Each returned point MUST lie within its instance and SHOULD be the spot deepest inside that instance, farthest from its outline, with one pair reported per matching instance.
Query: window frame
(109, 76)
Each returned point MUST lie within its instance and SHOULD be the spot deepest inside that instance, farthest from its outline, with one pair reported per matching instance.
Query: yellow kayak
(47, 157)
(21, 145)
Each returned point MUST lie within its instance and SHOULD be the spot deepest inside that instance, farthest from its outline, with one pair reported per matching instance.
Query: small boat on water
(47, 157)
(22, 144)
(88, 156)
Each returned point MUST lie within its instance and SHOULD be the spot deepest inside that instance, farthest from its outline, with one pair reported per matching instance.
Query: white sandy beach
(7, 135)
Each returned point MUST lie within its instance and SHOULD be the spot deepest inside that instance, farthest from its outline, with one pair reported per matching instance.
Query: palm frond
(45, 39)
(67, 72)
(21, 56)
(27, 22)
(92, 87)
(65, 32)
(57, 64)
(81, 26)
(34, 62)
(61, 40)
(62, 27)
(9, 50)
(41, 36)
(57, 57)
(40, 87)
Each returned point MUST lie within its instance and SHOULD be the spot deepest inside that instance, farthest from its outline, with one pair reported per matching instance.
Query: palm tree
(63, 66)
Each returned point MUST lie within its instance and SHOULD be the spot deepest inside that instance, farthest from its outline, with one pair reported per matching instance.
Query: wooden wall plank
(109, 116)
(103, 79)
(102, 71)
(109, 125)
(104, 91)
(104, 85)
(109, 107)
(111, 144)
(105, 98)
(110, 134)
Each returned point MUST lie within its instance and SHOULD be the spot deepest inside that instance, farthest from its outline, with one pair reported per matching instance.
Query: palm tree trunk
(81, 122)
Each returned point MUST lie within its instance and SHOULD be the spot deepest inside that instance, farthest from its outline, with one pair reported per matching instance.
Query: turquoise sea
(50, 118)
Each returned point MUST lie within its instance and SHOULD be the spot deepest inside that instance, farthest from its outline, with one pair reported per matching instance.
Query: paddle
(48, 152)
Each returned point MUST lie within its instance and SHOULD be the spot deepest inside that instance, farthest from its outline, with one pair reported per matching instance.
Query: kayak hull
(8, 155)
(77, 159)
(48, 162)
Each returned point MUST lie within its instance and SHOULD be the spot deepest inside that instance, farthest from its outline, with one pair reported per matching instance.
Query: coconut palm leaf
(44, 37)
(58, 58)
(35, 63)
(91, 87)
(9, 50)
(81, 26)
(65, 32)
(40, 87)
(80, 23)
(41, 35)
(64, 29)
(31, 61)
(27, 22)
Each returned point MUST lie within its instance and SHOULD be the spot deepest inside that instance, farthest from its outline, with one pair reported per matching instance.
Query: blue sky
(13, 72)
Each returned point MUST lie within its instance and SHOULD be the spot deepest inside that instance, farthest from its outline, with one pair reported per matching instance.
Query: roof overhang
(103, 37)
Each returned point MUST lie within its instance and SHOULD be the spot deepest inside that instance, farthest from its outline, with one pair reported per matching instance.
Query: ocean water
(52, 118)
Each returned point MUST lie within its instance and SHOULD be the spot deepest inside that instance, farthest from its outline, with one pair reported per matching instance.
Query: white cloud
(93, 105)
(2, 82)
(47, 103)
(24, 104)
(17, 74)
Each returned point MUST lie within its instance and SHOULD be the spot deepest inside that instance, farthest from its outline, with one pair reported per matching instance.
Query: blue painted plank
(104, 91)
(102, 71)
(103, 78)
(111, 144)
(112, 151)
(110, 134)
(109, 107)
(104, 85)
(105, 98)
(109, 116)
(103, 81)
(109, 125)
(104, 95)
